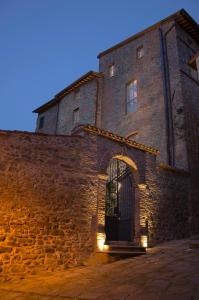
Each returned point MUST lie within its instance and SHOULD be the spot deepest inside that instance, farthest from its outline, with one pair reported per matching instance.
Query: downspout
(57, 119)
(97, 106)
(167, 97)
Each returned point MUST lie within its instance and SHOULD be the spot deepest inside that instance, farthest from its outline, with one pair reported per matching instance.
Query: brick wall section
(48, 201)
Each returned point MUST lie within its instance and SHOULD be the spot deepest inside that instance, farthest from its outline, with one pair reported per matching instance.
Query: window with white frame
(76, 116)
(140, 52)
(112, 70)
(131, 96)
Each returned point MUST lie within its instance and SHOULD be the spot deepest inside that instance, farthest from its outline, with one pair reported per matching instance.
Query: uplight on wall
(100, 241)
(144, 241)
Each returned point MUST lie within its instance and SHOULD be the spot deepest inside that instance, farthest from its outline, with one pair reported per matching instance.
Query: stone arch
(125, 156)
(131, 163)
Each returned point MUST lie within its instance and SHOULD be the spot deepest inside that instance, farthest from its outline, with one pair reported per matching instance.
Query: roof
(76, 84)
(181, 17)
(118, 138)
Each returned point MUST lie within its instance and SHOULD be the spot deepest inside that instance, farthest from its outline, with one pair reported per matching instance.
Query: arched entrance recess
(120, 200)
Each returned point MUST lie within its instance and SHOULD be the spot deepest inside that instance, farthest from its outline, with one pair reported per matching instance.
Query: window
(41, 122)
(112, 70)
(131, 96)
(140, 52)
(76, 116)
(77, 94)
(192, 63)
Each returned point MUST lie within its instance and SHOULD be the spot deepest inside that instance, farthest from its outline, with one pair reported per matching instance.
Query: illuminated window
(131, 96)
(140, 52)
(41, 122)
(112, 70)
(76, 116)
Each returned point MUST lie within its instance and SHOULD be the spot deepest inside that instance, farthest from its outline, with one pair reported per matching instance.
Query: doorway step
(117, 250)
(123, 249)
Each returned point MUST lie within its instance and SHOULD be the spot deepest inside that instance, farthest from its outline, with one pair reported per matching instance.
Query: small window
(76, 116)
(112, 70)
(140, 52)
(41, 122)
(77, 94)
(131, 97)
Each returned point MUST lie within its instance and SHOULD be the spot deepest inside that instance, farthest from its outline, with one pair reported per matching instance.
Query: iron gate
(119, 202)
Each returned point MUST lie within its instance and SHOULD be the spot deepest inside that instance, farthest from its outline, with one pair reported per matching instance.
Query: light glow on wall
(100, 241)
(106, 247)
(144, 241)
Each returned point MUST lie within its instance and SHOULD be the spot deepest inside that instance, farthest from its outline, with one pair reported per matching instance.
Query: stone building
(114, 162)
(145, 90)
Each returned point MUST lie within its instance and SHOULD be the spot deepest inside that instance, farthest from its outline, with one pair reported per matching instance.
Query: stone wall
(59, 119)
(164, 204)
(50, 120)
(149, 118)
(86, 102)
(190, 109)
(52, 198)
(48, 188)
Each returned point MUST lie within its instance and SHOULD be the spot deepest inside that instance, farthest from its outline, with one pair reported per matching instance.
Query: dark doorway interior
(119, 221)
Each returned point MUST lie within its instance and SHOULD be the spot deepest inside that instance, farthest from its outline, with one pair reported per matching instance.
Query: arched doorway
(120, 202)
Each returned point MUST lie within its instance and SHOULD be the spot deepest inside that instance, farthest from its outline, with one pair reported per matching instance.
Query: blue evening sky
(47, 44)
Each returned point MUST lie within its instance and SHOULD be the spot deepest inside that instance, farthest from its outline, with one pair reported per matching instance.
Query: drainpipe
(97, 106)
(57, 119)
(167, 97)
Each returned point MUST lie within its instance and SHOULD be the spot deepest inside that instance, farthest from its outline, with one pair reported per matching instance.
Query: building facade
(114, 162)
(145, 90)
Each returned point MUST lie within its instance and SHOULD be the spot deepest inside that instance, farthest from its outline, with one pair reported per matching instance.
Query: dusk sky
(47, 44)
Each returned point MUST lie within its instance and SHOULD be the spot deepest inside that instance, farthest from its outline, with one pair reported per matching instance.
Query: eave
(76, 84)
(181, 17)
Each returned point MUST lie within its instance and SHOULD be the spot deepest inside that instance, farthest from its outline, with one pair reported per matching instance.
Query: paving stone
(136, 279)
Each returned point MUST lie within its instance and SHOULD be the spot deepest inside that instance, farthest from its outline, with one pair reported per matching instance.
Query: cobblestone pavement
(167, 272)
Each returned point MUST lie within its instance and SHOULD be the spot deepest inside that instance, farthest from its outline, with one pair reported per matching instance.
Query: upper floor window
(112, 70)
(77, 94)
(193, 64)
(140, 52)
(41, 122)
(76, 116)
(131, 96)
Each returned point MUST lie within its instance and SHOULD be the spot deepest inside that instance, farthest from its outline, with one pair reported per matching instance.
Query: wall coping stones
(117, 138)
(7, 132)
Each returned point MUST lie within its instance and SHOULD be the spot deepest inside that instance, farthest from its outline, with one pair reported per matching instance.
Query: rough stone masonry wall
(47, 201)
(164, 204)
(190, 91)
(149, 118)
